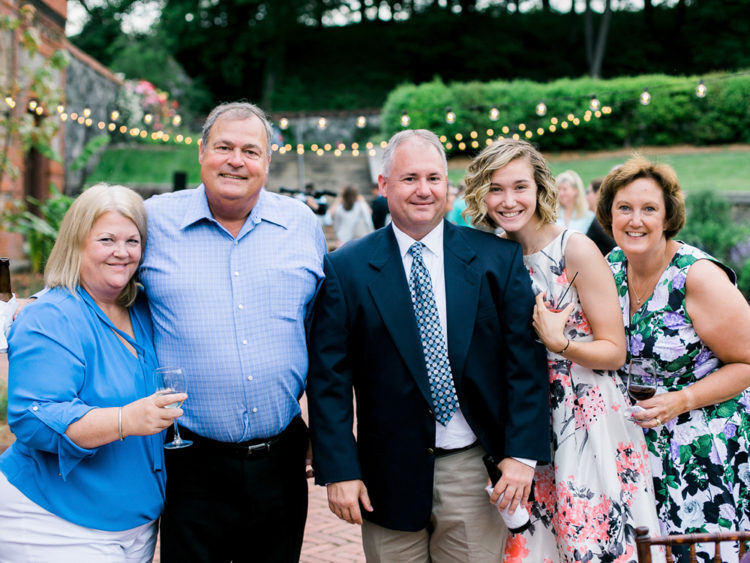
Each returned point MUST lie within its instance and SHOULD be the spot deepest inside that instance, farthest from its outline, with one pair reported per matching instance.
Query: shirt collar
(267, 208)
(433, 240)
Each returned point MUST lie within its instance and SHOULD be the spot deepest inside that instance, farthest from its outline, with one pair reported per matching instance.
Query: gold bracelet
(119, 423)
(566, 346)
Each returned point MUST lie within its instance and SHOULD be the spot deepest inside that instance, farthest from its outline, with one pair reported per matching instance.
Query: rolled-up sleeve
(46, 372)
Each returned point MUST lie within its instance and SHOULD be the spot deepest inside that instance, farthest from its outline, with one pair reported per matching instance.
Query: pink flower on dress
(544, 488)
(589, 408)
(629, 469)
(627, 556)
(515, 549)
(582, 517)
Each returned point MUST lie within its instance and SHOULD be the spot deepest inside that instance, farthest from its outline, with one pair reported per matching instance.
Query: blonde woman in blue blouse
(84, 480)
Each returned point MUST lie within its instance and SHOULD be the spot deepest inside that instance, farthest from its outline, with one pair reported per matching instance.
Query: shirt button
(236, 242)
(236, 274)
(430, 451)
(240, 306)
(244, 342)
(249, 377)
(34, 408)
(255, 409)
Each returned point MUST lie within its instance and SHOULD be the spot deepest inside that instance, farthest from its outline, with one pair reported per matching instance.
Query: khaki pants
(465, 526)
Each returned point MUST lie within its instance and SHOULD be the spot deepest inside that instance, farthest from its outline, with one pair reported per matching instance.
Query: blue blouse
(64, 360)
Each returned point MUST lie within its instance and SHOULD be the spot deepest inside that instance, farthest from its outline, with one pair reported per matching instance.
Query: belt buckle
(258, 448)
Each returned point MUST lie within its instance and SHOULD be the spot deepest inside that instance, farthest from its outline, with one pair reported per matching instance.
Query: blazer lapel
(390, 292)
(462, 285)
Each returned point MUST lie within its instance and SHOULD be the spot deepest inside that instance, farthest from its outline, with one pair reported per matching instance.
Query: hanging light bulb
(594, 104)
(114, 115)
(450, 116)
(32, 105)
(283, 123)
(405, 119)
(701, 89)
(176, 120)
(361, 121)
(147, 119)
(645, 97)
(86, 112)
(541, 109)
(322, 123)
(494, 113)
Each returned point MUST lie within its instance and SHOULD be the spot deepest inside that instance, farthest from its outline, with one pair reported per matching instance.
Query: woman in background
(573, 211)
(84, 480)
(352, 217)
(597, 488)
(691, 326)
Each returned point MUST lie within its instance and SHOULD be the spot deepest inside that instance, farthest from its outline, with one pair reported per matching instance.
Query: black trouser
(225, 505)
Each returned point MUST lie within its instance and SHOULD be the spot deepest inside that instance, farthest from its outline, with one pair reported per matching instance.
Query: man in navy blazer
(419, 482)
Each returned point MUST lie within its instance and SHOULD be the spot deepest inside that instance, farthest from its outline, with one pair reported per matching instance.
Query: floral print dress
(699, 460)
(598, 488)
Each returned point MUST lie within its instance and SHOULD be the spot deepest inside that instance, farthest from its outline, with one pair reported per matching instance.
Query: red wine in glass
(641, 382)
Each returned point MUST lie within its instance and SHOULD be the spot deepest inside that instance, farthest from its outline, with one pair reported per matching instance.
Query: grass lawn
(724, 169)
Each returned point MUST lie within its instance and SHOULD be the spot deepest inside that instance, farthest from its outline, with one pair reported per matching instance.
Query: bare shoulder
(581, 252)
(706, 277)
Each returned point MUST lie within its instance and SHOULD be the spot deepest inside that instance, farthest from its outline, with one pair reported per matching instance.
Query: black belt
(242, 450)
(440, 452)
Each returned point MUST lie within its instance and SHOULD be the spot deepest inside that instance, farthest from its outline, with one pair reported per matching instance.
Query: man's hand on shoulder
(514, 485)
(344, 499)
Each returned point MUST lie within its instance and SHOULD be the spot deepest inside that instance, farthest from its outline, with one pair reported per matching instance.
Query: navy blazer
(364, 336)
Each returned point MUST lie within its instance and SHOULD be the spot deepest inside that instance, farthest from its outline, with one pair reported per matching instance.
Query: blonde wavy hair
(494, 157)
(571, 177)
(64, 264)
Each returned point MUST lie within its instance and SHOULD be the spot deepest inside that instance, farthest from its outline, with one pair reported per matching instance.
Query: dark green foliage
(674, 116)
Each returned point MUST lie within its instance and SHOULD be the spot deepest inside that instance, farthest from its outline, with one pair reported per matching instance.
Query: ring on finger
(658, 420)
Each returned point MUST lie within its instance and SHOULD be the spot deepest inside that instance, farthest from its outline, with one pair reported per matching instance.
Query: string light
(10, 101)
(405, 119)
(494, 113)
(283, 123)
(115, 115)
(541, 109)
(701, 90)
(645, 97)
(594, 104)
(450, 116)
(148, 118)
(322, 123)
(176, 120)
(361, 121)
(86, 112)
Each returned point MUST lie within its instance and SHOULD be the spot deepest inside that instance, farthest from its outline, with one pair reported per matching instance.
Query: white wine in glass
(169, 381)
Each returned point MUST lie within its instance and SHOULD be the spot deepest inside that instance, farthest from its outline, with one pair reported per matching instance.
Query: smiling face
(416, 187)
(511, 200)
(234, 166)
(110, 256)
(638, 216)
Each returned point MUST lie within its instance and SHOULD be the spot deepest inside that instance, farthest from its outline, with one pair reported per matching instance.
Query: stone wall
(88, 85)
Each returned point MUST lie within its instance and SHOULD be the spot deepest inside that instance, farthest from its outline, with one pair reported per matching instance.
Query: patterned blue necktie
(444, 399)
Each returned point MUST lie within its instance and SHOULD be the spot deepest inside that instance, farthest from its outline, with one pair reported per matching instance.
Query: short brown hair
(493, 158)
(640, 167)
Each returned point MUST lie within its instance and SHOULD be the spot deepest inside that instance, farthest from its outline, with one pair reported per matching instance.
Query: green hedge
(674, 116)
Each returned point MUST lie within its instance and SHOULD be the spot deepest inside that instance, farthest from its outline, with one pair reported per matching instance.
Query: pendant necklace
(645, 287)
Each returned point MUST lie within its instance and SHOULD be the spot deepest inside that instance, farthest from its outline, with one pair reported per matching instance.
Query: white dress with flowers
(598, 488)
(701, 459)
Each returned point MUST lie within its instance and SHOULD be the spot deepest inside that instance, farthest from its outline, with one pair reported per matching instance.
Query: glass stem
(177, 438)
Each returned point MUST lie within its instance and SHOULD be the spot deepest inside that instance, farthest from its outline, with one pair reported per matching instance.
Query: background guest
(595, 232)
(573, 211)
(85, 479)
(690, 326)
(379, 206)
(351, 216)
(585, 502)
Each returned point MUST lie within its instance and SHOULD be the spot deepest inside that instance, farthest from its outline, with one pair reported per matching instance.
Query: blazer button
(429, 411)
(430, 451)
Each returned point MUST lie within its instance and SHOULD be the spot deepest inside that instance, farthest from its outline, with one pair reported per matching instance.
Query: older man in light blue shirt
(231, 271)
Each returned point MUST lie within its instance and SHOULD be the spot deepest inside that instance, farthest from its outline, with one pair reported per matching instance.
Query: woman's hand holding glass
(148, 416)
(549, 323)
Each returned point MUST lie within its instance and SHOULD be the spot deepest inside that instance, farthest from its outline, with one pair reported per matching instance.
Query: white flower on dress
(691, 514)
(669, 348)
(659, 298)
(743, 472)
(685, 433)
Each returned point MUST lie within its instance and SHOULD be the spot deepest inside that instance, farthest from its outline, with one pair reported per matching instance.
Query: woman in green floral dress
(691, 326)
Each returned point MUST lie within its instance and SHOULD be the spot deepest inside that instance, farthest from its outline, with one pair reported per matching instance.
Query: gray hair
(238, 110)
(427, 136)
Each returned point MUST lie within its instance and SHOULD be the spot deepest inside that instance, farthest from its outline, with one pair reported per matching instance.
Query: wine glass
(171, 380)
(641, 383)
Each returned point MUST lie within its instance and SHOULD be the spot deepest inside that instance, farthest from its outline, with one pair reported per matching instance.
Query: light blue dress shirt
(232, 311)
(65, 359)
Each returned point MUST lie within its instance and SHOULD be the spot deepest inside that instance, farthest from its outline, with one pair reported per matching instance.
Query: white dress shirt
(457, 433)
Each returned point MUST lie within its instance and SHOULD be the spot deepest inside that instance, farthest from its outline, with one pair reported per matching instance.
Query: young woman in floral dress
(691, 326)
(597, 489)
